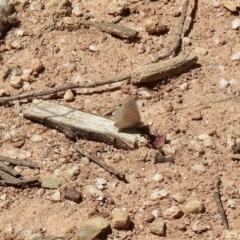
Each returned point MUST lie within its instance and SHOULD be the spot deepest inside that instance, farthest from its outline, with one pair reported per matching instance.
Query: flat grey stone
(51, 182)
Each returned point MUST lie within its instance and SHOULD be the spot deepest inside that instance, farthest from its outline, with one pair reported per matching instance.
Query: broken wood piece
(9, 170)
(18, 162)
(162, 70)
(112, 28)
(108, 168)
(10, 181)
(81, 124)
(217, 198)
(236, 157)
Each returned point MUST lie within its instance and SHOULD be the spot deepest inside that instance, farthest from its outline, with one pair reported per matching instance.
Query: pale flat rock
(94, 228)
(51, 182)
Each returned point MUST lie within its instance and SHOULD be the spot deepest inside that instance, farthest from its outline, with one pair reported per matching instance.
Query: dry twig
(10, 181)
(217, 198)
(9, 170)
(178, 36)
(62, 88)
(18, 162)
(114, 29)
(108, 168)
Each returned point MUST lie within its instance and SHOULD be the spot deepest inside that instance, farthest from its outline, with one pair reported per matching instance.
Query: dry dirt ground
(204, 100)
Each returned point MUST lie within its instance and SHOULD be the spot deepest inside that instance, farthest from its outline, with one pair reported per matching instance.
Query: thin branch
(108, 168)
(217, 198)
(18, 162)
(178, 36)
(62, 88)
(111, 28)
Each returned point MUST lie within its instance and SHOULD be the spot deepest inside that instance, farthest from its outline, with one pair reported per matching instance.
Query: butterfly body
(128, 116)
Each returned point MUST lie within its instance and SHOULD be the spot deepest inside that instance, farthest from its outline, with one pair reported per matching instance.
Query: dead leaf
(160, 141)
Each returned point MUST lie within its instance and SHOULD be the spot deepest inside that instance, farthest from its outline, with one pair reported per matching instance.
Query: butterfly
(128, 116)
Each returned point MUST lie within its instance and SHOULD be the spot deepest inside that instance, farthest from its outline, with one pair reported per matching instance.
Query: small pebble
(222, 83)
(73, 172)
(158, 227)
(56, 197)
(2, 92)
(26, 77)
(201, 51)
(3, 197)
(154, 26)
(19, 32)
(155, 213)
(121, 220)
(72, 195)
(76, 10)
(100, 182)
(183, 86)
(16, 43)
(36, 138)
(178, 197)
(93, 48)
(186, 41)
(197, 227)
(157, 177)
(234, 131)
(36, 6)
(207, 140)
(236, 23)
(116, 7)
(199, 168)
(231, 203)
(216, 3)
(158, 194)
(68, 96)
(195, 146)
(98, 194)
(16, 82)
(58, 8)
(36, 65)
(236, 56)
(194, 206)
(168, 149)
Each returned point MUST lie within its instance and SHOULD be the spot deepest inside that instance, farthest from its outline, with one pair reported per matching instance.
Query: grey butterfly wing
(127, 115)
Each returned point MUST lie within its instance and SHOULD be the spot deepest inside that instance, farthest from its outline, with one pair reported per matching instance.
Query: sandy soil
(185, 106)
